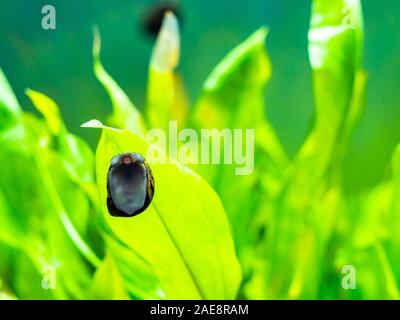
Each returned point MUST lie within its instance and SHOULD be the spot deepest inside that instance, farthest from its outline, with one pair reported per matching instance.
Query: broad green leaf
(125, 115)
(335, 50)
(233, 95)
(166, 98)
(183, 235)
(233, 98)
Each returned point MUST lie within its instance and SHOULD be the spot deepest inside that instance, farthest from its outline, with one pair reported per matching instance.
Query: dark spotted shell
(130, 185)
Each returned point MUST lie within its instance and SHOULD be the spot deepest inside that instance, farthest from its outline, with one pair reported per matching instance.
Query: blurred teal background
(58, 63)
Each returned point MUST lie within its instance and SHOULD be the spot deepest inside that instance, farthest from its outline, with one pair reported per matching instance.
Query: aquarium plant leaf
(312, 187)
(335, 50)
(183, 235)
(77, 156)
(42, 240)
(9, 106)
(140, 280)
(166, 96)
(233, 97)
(233, 94)
(125, 115)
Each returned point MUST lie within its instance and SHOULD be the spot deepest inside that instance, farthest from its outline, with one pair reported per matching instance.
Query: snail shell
(130, 185)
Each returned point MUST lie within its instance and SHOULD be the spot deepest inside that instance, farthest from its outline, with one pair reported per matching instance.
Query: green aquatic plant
(285, 231)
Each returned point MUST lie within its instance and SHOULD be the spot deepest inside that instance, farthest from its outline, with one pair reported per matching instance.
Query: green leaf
(125, 115)
(233, 97)
(139, 279)
(65, 216)
(166, 98)
(335, 49)
(183, 235)
(41, 235)
(303, 217)
(76, 155)
(67, 203)
(72, 177)
(10, 110)
(15, 153)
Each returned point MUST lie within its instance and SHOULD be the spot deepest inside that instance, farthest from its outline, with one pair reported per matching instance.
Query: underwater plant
(285, 231)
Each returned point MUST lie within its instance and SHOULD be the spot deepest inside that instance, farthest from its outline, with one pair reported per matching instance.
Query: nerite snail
(130, 185)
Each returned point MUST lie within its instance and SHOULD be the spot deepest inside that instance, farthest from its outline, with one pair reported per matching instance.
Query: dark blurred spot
(152, 18)
(262, 231)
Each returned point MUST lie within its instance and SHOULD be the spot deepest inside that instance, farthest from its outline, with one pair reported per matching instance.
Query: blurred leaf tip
(96, 41)
(97, 124)
(234, 58)
(48, 108)
(94, 123)
(165, 56)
